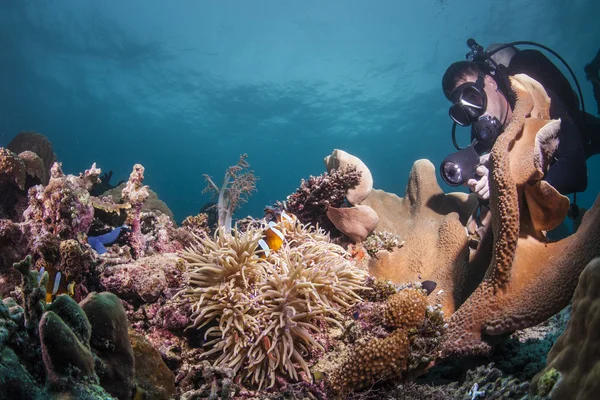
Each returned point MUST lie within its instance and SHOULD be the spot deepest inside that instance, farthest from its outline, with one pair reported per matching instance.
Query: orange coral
(432, 225)
(393, 356)
(405, 309)
(529, 279)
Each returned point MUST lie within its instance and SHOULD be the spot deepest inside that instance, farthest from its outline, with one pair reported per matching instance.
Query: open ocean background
(184, 87)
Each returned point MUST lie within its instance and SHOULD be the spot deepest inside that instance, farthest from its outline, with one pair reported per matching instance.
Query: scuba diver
(482, 98)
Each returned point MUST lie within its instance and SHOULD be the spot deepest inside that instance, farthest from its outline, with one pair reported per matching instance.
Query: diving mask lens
(470, 104)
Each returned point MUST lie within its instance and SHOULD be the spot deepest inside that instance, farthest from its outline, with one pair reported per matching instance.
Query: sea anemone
(267, 309)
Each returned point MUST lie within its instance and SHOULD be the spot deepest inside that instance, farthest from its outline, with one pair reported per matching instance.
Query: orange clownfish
(57, 284)
(271, 241)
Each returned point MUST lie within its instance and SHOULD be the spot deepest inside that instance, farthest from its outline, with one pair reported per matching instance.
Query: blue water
(185, 87)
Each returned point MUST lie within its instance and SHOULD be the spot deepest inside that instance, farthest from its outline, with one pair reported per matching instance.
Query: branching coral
(238, 184)
(268, 308)
(315, 195)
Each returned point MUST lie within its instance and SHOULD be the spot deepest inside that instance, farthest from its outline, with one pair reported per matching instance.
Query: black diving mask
(470, 102)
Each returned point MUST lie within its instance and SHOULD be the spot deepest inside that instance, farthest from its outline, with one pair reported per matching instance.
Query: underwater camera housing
(459, 167)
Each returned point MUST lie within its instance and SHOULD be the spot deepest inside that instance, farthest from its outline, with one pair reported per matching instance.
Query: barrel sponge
(576, 354)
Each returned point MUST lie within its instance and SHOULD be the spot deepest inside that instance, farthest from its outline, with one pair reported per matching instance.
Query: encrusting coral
(405, 352)
(63, 207)
(267, 308)
(528, 279)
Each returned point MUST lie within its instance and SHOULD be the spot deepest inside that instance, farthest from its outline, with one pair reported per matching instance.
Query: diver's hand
(481, 186)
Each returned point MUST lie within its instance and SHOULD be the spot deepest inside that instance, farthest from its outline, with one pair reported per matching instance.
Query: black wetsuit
(568, 172)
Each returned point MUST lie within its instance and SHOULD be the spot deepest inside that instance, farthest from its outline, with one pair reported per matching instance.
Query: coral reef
(381, 240)
(340, 159)
(405, 352)
(572, 364)
(151, 373)
(488, 382)
(136, 193)
(266, 310)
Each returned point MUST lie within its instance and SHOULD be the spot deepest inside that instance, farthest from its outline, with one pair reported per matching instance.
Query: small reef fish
(98, 242)
(57, 284)
(273, 238)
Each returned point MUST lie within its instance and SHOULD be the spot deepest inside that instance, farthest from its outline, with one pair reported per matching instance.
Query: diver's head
(476, 100)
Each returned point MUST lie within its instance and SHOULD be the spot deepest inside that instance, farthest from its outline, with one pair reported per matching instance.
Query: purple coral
(314, 196)
(62, 207)
(136, 193)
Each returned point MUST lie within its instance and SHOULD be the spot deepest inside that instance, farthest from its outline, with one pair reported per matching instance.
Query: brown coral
(405, 309)
(378, 360)
(431, 224)
(405, 353)
(12, 167)
(34, 165)
(528, 279)
(37, 143)
(575, 355)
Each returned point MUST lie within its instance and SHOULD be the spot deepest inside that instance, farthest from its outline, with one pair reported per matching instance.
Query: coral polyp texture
(263, 311)
(405, 352)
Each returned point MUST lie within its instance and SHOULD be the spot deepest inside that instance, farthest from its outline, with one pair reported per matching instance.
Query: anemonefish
(57, 284)
(273, 238)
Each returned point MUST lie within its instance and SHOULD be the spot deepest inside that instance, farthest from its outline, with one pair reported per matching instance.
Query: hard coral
(431, 223)
(38, 144)
(378, 360)
(62, 207)
(574, 360)
(315, 195)
(135, 192)
(12, 167)
(404, 353)
(268, 309)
